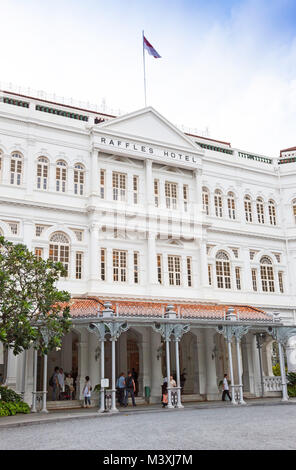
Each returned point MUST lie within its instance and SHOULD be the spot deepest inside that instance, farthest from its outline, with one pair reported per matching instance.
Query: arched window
(248, 209)
(231, 205)
(78, 179)
(260, 210)
(42, 173)
(61, 176)
(294, 209)
(218, 203)
(223, 270)
(272, 213)
(205, 200)
(16, 168)
(267, 277)
(59, 249)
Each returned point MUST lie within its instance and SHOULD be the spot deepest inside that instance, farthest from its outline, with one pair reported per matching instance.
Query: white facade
(138, 210)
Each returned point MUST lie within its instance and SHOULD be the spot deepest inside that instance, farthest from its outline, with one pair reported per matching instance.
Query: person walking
(164, 390)
(54, 383)
(61, 379)
(225, 388)
(135, 376)
(121, 387)
(87, 392)
(129, 388)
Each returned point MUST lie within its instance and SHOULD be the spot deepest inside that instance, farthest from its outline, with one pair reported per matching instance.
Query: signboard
(151, 151)
(104, 383)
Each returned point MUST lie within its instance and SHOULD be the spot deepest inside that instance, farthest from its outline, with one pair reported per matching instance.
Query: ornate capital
(116, 328)
(282, 333)
(180, 330)
(171, 329)
(98, 329)
(165, 329)
(46, 335)
(228, 331)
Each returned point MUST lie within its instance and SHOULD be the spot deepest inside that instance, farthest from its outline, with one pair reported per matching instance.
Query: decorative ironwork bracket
(171, 329)
(114, 329)
(230, 331)
(281, 333)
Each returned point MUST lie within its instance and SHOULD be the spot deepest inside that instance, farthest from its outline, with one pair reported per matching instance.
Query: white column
(94, 173)
(201, 361)
(179, 404)
(82, 366)
(146, 359)
(28, 229)
(70, 180)
(151, 261)
(149, 184)
(130, 267)
(123, 352)
(156, 372)
(66, 353)
(247, 283)
(239, 371)
(10, 381)
(44, 409)
(198, 195)
(93, 364)
(35, 361)
(108, 185)
(203, 264)
(283, 373)
(102, 407)
(52, 177)
(212, 391)
(165, 271)
(256, 367)
(94, 253)
(23, 374)
(168, 371)
(233, 401)
(113, 400)
(109, 265)
(6, 169)
(291, 354)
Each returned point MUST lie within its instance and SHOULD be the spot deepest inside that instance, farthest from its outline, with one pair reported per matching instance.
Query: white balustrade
(272, 384)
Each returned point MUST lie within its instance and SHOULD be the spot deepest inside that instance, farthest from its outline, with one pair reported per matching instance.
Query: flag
(150, 48)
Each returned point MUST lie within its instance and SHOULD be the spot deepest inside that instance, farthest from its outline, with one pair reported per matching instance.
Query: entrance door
(133, 360)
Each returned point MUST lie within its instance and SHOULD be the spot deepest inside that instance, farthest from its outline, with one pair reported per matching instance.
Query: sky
(228, 66)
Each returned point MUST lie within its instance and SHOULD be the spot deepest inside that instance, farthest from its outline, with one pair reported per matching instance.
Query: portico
(166, 340)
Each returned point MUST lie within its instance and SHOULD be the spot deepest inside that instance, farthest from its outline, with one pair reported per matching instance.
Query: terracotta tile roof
(89, 307)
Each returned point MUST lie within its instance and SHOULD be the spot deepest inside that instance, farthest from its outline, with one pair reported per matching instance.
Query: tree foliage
(32, 309)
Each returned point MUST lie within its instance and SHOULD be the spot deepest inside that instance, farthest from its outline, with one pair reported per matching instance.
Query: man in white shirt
(225, 388)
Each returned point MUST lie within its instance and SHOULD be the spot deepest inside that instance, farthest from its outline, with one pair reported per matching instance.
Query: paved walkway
(82, 413)
(264, 427)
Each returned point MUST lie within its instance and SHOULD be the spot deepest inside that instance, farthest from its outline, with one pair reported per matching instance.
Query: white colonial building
(146, 216)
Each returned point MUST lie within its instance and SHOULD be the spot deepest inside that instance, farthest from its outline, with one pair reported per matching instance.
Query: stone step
(63, 404)
(192, 397)
(71, 404)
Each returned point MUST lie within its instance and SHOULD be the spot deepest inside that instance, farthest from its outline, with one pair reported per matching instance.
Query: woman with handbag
(87, 392)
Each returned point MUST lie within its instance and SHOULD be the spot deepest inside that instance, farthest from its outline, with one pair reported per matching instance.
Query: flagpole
(144, 70)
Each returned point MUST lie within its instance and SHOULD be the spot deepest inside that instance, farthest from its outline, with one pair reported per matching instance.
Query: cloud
(227, 65)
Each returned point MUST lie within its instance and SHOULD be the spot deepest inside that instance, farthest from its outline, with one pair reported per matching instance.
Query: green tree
(29, 301)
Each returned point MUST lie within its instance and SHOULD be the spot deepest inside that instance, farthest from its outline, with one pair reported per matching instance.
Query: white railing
(272, 384)
(53, 97)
